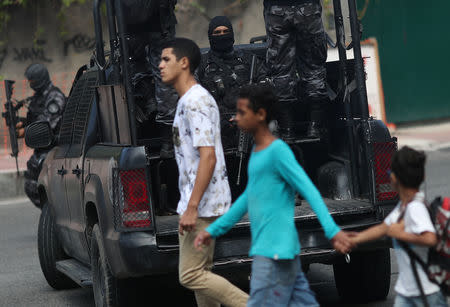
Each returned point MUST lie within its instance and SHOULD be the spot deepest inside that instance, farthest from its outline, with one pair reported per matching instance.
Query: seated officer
(223, 70)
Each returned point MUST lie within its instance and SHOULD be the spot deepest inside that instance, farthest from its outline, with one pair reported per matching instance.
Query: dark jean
(279, 283)
(434, 300)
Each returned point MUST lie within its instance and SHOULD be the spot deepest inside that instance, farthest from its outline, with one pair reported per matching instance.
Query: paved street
(22, 283)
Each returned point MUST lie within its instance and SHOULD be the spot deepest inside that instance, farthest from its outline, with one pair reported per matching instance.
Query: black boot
(286, 121)
(317, 116)
(314, 130)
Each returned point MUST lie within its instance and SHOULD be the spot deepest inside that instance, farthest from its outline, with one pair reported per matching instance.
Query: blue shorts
(279, 283)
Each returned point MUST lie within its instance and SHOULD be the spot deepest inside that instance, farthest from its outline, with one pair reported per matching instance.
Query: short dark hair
(408, 165)
(260, 96)
(184, 47)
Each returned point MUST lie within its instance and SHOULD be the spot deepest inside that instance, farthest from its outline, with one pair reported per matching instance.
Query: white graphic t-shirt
(197, 124)
(417, 221)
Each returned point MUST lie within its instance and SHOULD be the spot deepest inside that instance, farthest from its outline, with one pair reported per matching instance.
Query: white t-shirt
(417, 221)
(197, 124)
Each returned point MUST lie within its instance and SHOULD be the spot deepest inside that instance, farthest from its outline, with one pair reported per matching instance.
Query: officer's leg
(34, 166)
(280, 59)
(311, 60)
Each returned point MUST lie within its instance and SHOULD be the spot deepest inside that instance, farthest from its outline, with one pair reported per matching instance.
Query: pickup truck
(109, 199)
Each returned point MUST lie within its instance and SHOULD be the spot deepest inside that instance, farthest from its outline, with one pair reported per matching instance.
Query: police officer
(149, 25)
(47, 104)
(297, 44)
(223, 70)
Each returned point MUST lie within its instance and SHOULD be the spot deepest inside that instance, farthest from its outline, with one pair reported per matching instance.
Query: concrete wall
(64, 54)
(61, 54)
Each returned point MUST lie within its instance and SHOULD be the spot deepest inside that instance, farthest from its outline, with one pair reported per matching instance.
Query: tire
(108, 290)
(50, 251)
(366, 278)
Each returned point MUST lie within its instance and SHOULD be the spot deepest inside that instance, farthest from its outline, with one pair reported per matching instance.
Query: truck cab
(109, 213)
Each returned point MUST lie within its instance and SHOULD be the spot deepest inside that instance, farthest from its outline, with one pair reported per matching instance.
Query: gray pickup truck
(109, 199)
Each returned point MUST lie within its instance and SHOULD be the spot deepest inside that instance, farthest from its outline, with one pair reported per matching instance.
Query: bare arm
(371, 234)
(426, 238)
(205, 172)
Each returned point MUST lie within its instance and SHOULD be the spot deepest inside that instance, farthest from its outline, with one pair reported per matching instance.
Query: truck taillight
(383, 153)
(134, 201)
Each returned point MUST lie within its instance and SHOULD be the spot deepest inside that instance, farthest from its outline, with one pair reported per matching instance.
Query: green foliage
(7, 5)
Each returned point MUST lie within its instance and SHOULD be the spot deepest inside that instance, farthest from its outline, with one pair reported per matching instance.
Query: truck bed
(168, 225)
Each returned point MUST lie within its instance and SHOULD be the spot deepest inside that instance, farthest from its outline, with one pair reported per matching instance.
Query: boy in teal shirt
(274, 176)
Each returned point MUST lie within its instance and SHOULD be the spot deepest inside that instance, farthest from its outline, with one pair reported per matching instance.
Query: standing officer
(223, 70)
(47, 104)
(297, 44)
(166, 96)
(149, 26)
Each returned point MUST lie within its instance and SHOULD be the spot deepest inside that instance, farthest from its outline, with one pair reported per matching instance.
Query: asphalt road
(22, 283)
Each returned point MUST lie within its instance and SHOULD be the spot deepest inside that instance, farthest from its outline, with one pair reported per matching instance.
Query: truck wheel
(108, 290)
(366, 278)
(50, 251)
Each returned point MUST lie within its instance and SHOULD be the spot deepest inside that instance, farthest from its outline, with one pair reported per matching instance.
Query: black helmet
(38, 76)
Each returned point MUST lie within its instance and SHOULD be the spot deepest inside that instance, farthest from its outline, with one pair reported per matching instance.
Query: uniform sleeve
(224, 223)
(295, 176)
(54, 110)
(418, 219)
(201, 115)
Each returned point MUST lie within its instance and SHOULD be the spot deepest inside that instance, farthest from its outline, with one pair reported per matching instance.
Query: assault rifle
(12, 119)
(244, 138)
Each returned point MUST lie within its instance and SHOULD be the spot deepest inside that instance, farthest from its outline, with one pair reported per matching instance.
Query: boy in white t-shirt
(408, 222)
(203, 182)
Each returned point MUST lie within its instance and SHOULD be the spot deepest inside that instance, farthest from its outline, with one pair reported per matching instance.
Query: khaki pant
(210, 289)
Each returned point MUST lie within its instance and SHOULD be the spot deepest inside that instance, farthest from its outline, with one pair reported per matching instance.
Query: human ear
(184, 63)
(262, 114)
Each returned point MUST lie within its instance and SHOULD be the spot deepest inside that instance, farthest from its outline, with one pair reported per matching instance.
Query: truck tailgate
(348, 214)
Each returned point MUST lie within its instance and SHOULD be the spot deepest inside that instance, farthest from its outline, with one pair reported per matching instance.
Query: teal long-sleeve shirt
(269, 198)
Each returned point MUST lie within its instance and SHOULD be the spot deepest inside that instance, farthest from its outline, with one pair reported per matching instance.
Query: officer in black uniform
(149, 25)
(223, 70)
(47, 104)
(297, 46)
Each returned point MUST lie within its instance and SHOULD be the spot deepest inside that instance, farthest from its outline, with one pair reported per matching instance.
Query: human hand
(188, 220)
(354, 237)
(20, 132)
(203, 238)
(342, 242)
(19, 125)
(396, 230)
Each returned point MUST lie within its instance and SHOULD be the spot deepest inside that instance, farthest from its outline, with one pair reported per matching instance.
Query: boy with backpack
(412, 231)
(274, 176)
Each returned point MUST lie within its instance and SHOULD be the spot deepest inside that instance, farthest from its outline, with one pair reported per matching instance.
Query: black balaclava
(38, 76)
(221, 43)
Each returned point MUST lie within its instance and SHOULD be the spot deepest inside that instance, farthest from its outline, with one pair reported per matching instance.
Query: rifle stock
(11, 119)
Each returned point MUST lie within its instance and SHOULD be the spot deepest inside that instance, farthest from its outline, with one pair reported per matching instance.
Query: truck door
(84, 124)
(57, 193)
(59, 170)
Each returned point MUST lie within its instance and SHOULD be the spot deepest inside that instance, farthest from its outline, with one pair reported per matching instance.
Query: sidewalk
(424, 136)
(11, 183)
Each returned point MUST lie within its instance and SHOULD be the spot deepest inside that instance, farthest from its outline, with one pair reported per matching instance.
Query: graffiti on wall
(35, 53)
(38, 51)
(80, 43)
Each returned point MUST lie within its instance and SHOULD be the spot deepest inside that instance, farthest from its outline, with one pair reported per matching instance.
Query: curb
(12, 184)
(13, 201)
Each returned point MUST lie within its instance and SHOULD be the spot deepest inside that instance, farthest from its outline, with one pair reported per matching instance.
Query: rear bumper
(136, 254)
